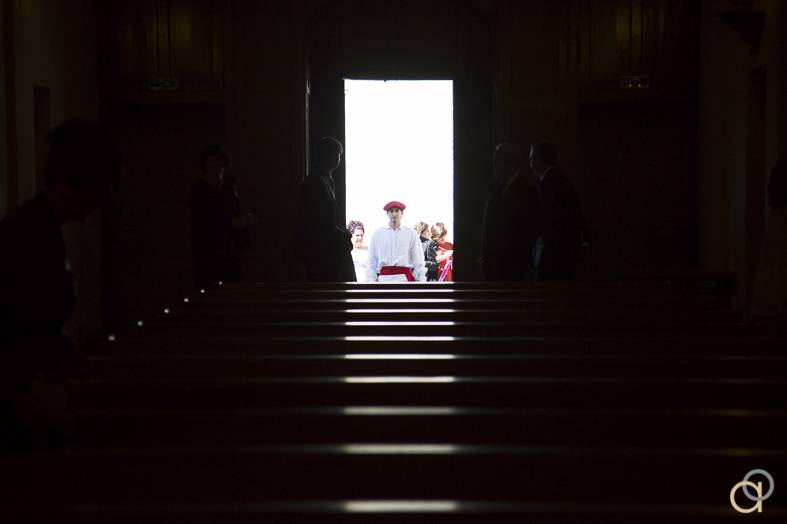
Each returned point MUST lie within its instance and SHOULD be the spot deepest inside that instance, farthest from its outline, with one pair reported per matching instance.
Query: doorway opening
(399, 145)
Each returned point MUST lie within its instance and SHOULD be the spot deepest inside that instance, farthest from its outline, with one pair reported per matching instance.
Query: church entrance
(451, 45)
(399, 145)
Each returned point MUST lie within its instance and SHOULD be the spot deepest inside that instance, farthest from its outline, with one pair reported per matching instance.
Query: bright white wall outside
(399, 146)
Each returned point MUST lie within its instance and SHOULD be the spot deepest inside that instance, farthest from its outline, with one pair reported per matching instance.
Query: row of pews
(599, 402)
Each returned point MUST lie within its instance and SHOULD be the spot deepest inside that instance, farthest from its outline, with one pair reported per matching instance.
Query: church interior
(647, 390)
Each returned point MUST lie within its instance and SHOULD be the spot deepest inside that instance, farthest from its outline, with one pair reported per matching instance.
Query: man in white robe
(395, 252)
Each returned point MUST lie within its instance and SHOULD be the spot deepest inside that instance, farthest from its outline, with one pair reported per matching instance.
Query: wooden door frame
(473, 85)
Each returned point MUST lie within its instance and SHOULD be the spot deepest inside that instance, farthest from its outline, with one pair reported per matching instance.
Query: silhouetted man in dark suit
(324, 245)
(565, 229)
(512, 219)
(36, 291)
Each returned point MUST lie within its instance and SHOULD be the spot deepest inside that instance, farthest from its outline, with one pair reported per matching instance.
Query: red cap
(393, 203)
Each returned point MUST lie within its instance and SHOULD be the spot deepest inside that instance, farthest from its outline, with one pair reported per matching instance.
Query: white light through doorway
(399, 146)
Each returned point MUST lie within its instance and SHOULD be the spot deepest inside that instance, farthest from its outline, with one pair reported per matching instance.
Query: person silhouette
(325, 245)
(220, 229)
(36, 289)
(565, 229)
(512, 219)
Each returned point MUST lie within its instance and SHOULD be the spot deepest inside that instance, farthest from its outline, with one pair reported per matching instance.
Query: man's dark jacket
(36, 295)
(565, 228)
(512, 222)
(324, 244)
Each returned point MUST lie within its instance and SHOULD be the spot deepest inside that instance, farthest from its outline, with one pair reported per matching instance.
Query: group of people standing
(331, 252)
(437, 251)
(534, 227)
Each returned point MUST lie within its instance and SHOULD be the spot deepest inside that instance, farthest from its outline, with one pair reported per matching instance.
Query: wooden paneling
(132, 56)
(536, 65)
(650, 38)
(196, 44)
(164, 49)
(636, 177)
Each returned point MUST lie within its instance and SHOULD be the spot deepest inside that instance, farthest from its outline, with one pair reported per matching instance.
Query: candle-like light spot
(399, 380)
(111, 338)
(166, 311)
(186, 300)
(202, 291)
(140, 323)
(405, 449)
(400, 506)
(399, 356)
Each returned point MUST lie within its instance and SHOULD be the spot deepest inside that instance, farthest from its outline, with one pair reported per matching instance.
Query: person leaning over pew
(36, 290)
(395, 252)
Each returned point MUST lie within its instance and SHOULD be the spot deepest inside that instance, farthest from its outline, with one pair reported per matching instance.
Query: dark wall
(635, 173)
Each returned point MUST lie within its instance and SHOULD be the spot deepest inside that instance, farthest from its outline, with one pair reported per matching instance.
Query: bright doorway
(399, 145)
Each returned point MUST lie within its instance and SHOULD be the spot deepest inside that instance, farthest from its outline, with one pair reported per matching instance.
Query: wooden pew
(537, 426)
(553, 474)
(221, 364)
(522, 403)
(640, 475)
(564, 342)
(531, 391)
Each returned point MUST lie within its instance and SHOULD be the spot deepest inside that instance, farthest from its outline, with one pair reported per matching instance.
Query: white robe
(361, 263)
(400, 247)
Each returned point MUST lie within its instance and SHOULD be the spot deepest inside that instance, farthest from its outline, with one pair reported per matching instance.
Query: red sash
(398, 270)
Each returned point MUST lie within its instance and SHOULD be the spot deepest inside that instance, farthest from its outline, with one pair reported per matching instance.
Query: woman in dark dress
(430, 250)
(220, 229)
